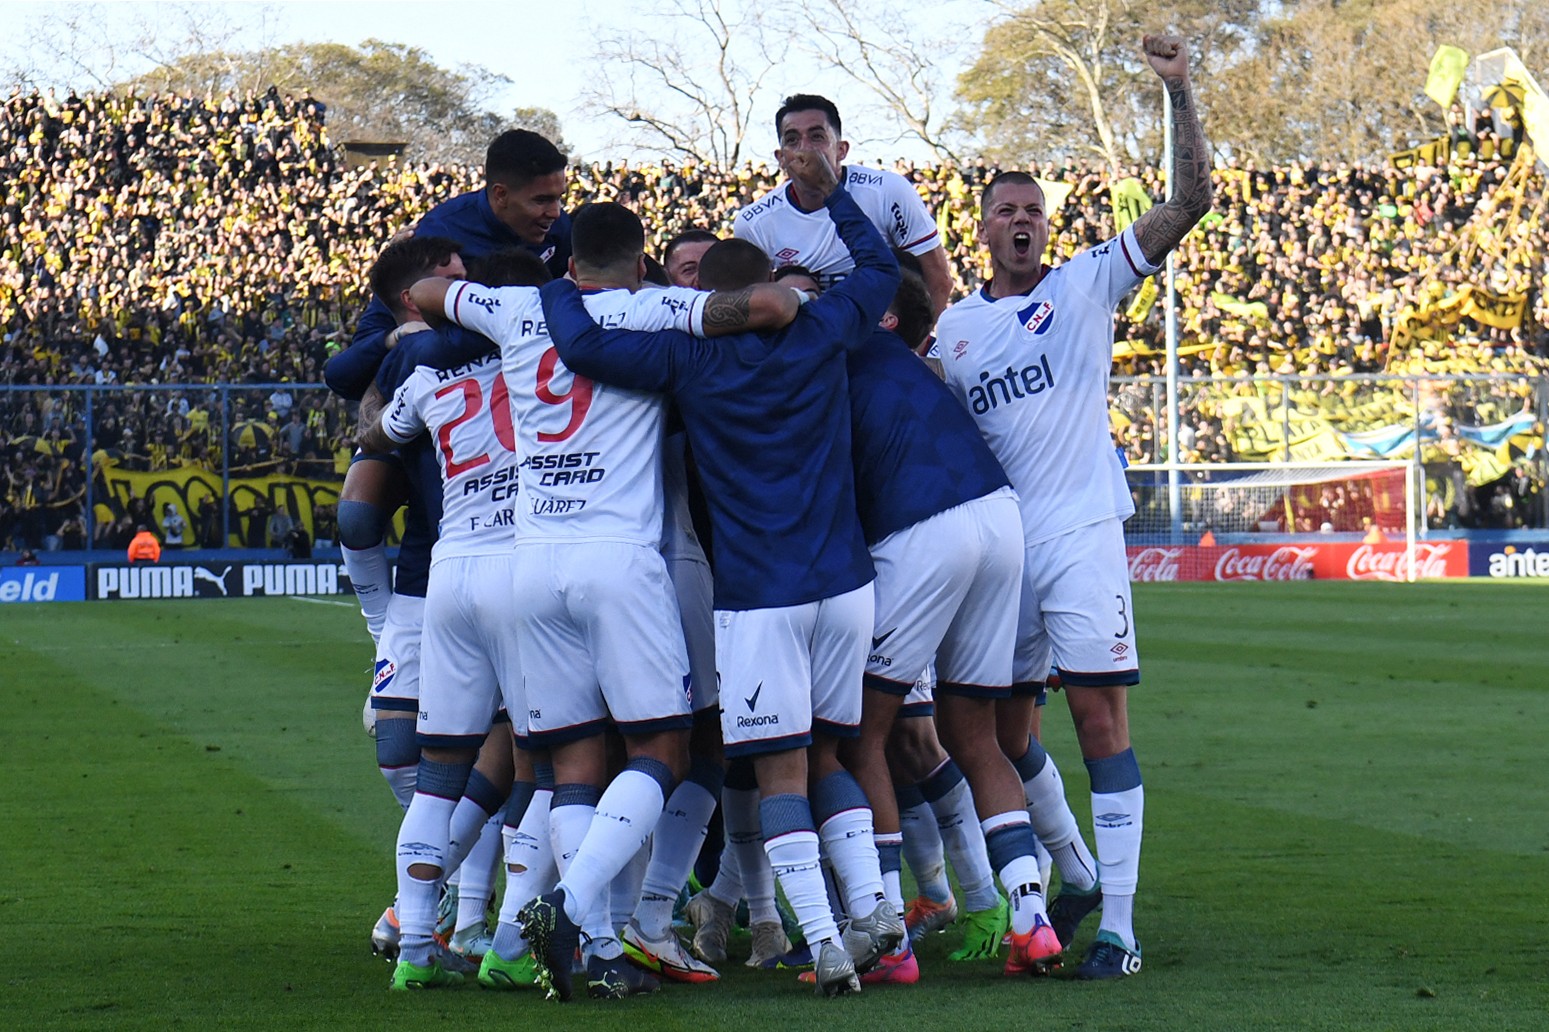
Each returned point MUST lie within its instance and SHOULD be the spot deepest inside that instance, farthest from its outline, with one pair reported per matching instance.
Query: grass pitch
(1345, 828)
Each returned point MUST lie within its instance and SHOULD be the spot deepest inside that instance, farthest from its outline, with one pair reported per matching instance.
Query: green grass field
(1346, 828)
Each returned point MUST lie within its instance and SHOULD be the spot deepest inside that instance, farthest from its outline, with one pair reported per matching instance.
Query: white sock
(923, 851)
(1057, 828)
(745, 838)
(371, 575)
(727, 886)
(401, 781)
(1045, 866)
(674, 846)
(468, 823)
(530, 851)
(1118, 819)
(569, 820)
(625, 815)
(1013, 850)
(477, 886)
(624, 889)
(963, 841)
(794, 858)
(422, 839)
(846, 833)
(848, 842)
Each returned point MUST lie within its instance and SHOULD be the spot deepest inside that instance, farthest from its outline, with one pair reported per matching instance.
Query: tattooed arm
(1162, 228)
(763, 306)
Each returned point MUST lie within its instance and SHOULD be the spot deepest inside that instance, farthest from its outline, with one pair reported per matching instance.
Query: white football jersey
(791, 236)
(1033, 369)
(467, 415)
(590, 453)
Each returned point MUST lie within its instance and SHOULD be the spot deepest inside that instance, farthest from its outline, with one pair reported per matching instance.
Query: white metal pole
(1174, 494)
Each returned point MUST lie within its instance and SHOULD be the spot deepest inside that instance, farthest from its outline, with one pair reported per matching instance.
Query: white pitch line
(324, 601)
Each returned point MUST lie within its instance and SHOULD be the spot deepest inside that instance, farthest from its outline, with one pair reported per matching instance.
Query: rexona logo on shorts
(1510, 561)
(218, 580)
(43, 584)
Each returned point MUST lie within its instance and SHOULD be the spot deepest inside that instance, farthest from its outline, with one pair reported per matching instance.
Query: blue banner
(1518, 559)
(43, 584)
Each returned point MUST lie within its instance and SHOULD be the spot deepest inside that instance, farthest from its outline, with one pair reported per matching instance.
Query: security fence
(260, 465)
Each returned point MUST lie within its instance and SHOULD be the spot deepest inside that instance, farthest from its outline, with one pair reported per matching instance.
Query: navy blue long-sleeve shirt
(768, 419)
(917, 450)
(469, 220)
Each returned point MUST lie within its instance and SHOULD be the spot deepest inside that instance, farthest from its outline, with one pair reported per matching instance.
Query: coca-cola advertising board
(1333, 560)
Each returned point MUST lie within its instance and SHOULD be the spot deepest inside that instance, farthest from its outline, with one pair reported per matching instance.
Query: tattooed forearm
(726, 311)
(1164, 227)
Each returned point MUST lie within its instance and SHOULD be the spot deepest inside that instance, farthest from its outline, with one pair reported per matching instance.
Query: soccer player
(469, 662)
(1030, 356)
(519, 206)
(596, 619)
(767, 416)
(681, 258)
(791, 225)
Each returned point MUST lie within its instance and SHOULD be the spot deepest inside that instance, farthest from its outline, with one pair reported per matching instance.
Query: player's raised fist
(1167, 54)
(811, 169)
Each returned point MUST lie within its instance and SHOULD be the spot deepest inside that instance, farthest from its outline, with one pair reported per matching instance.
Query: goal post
(1276, 521)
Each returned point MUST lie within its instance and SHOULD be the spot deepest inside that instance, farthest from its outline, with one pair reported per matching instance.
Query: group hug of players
(899, 540)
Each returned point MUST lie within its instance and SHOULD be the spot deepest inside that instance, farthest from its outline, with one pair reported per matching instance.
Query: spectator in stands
(144, 547)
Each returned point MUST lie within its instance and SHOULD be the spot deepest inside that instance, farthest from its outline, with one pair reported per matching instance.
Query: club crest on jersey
(786, 255)
(1038, 318)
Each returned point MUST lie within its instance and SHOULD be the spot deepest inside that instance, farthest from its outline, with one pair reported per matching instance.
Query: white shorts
(790, 670)
(944, 591)
(921, 700)
(469, 663)
(695, 588)
(396, 683)
(600, 638)
(1076, 612)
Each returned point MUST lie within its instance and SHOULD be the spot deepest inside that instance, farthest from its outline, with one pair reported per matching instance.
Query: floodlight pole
(1170, 308)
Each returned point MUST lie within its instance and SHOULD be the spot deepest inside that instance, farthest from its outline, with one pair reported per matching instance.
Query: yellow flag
(1447, 67)
(1054, 193)
(1130, 201)
(1144, 299)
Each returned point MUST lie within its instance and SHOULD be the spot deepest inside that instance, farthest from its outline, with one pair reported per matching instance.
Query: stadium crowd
(168, 239)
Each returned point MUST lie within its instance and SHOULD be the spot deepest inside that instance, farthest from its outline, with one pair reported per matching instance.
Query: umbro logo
(1112, 820)
(752, 700)
(787, 255)
(877, 640)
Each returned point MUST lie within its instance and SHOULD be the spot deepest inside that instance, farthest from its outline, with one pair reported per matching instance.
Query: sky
(539, 56)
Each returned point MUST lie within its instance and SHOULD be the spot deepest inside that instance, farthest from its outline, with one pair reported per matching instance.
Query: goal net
(1277, 521)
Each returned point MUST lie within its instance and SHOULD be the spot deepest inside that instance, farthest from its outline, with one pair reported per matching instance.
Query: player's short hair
(808, 102)
(909, 261)
(787, 271)
(510, 267)
(604, 234)
(1010, 179)
(688, 236)
(404, 263)
(656, 273)
(911, 304)
(733, 264)
(518, 156)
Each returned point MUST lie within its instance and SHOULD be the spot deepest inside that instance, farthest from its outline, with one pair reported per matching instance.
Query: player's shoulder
(774, 202)
(859, 178)
(450, 214)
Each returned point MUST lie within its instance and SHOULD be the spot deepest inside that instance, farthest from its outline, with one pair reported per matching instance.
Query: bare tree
(1065, 79)
(99, 45)
(897, 60)
(690, 88)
